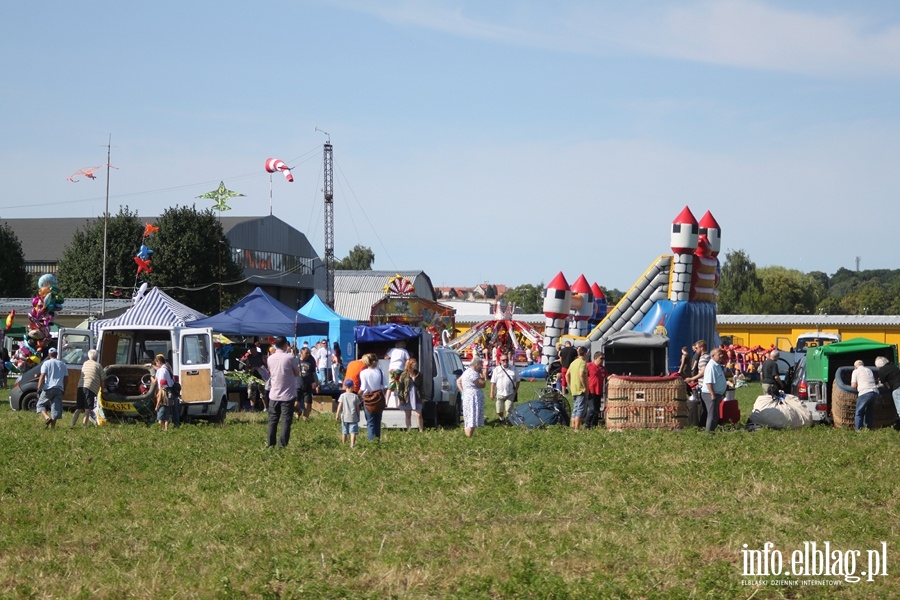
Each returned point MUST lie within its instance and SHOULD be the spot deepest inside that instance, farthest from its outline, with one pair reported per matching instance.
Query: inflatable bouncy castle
(675, 296)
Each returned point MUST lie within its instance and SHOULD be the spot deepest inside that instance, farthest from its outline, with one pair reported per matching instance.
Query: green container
(823, 361)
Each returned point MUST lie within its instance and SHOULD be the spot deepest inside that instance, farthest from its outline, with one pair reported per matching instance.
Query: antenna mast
(105, 230)
(328, 177)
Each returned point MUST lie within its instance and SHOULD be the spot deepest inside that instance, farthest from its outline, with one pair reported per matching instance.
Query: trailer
(822, 363)
(439, 365)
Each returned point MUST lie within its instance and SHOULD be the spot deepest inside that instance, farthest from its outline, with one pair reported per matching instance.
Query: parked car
(448, 367)
(126, 351)
(24, 394)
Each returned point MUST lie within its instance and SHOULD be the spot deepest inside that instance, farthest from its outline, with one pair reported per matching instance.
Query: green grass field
(205, 511)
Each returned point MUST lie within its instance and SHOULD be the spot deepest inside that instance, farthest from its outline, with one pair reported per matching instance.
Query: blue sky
(478, 141)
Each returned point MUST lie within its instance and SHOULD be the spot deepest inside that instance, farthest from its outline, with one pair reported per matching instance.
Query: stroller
(553, 371)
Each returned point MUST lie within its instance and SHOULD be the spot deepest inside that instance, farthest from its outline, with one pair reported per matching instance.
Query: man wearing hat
(51, 383)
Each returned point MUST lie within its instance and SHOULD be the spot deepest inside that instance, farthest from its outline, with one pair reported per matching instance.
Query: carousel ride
(502, 334)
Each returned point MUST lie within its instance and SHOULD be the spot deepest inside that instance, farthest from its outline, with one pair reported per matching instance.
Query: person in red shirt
(597, 375)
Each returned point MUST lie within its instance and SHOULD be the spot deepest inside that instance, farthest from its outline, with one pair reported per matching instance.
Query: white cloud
(756, 35)
(739, 33)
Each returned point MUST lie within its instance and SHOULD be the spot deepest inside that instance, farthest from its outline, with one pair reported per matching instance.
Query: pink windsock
(274, 164)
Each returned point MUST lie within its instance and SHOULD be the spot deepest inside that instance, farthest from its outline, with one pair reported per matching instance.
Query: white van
(126, 353)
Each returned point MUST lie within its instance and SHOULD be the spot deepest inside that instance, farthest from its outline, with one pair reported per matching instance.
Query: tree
(192, 260)
(830, 306)
(359, 259)
(80, 270)
(870, 298)
(528, 298)
(612, 295)
(14, 279)
(788, 292)
(739, 285)
(490, 292)
(894, 296)
(821, 278)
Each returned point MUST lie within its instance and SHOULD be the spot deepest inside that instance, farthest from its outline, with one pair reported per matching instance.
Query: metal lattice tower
(329, 224)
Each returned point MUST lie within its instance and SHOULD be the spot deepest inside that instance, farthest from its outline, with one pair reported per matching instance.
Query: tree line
(192, 257)
(746, 289)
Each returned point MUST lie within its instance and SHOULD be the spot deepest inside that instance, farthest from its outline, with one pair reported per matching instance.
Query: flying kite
(274, 164)
(220, 196)
(88, 172)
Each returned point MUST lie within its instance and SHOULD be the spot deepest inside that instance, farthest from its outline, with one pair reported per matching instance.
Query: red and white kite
(274, 164)
(89, 173)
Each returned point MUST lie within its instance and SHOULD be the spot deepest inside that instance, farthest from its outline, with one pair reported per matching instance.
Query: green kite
(220, 196)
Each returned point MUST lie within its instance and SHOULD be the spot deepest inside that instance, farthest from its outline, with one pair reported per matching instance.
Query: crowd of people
(364, 387)
(584, 379)
(285, 379)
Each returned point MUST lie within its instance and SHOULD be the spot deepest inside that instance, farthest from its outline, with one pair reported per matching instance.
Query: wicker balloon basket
(646, 403)
(843, 403)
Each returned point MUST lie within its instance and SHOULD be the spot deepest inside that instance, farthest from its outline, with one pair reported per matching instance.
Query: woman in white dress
(471, 383)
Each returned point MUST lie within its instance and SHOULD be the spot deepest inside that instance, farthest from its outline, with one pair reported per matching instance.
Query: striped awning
(156, 308)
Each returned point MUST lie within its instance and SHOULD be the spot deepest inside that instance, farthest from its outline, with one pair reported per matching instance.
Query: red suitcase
(729, 412)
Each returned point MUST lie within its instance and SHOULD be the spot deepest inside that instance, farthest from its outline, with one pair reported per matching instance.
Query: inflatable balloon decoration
(142, 258)
(142, 264)
(274, 164)
(21, 358)
(144, 252)
(44, 307)
(139, 294)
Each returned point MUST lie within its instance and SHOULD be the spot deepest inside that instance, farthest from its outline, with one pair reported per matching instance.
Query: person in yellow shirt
(577, 382)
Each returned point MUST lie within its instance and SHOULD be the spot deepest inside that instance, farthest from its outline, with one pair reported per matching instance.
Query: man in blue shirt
(51, 383)
(714, 386)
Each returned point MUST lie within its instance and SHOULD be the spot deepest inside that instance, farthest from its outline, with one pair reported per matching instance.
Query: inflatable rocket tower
(675, 297)
(557, 303)
(567, 311)
(685, 231)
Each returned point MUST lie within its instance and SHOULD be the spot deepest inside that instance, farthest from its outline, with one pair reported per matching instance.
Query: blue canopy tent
(258, 313)
(391, 332)
(340, 329)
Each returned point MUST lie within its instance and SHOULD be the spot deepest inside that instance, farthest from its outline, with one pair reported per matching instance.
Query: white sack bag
(784, 413)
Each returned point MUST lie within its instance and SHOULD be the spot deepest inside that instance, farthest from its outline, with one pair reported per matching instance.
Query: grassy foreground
(204, 511)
